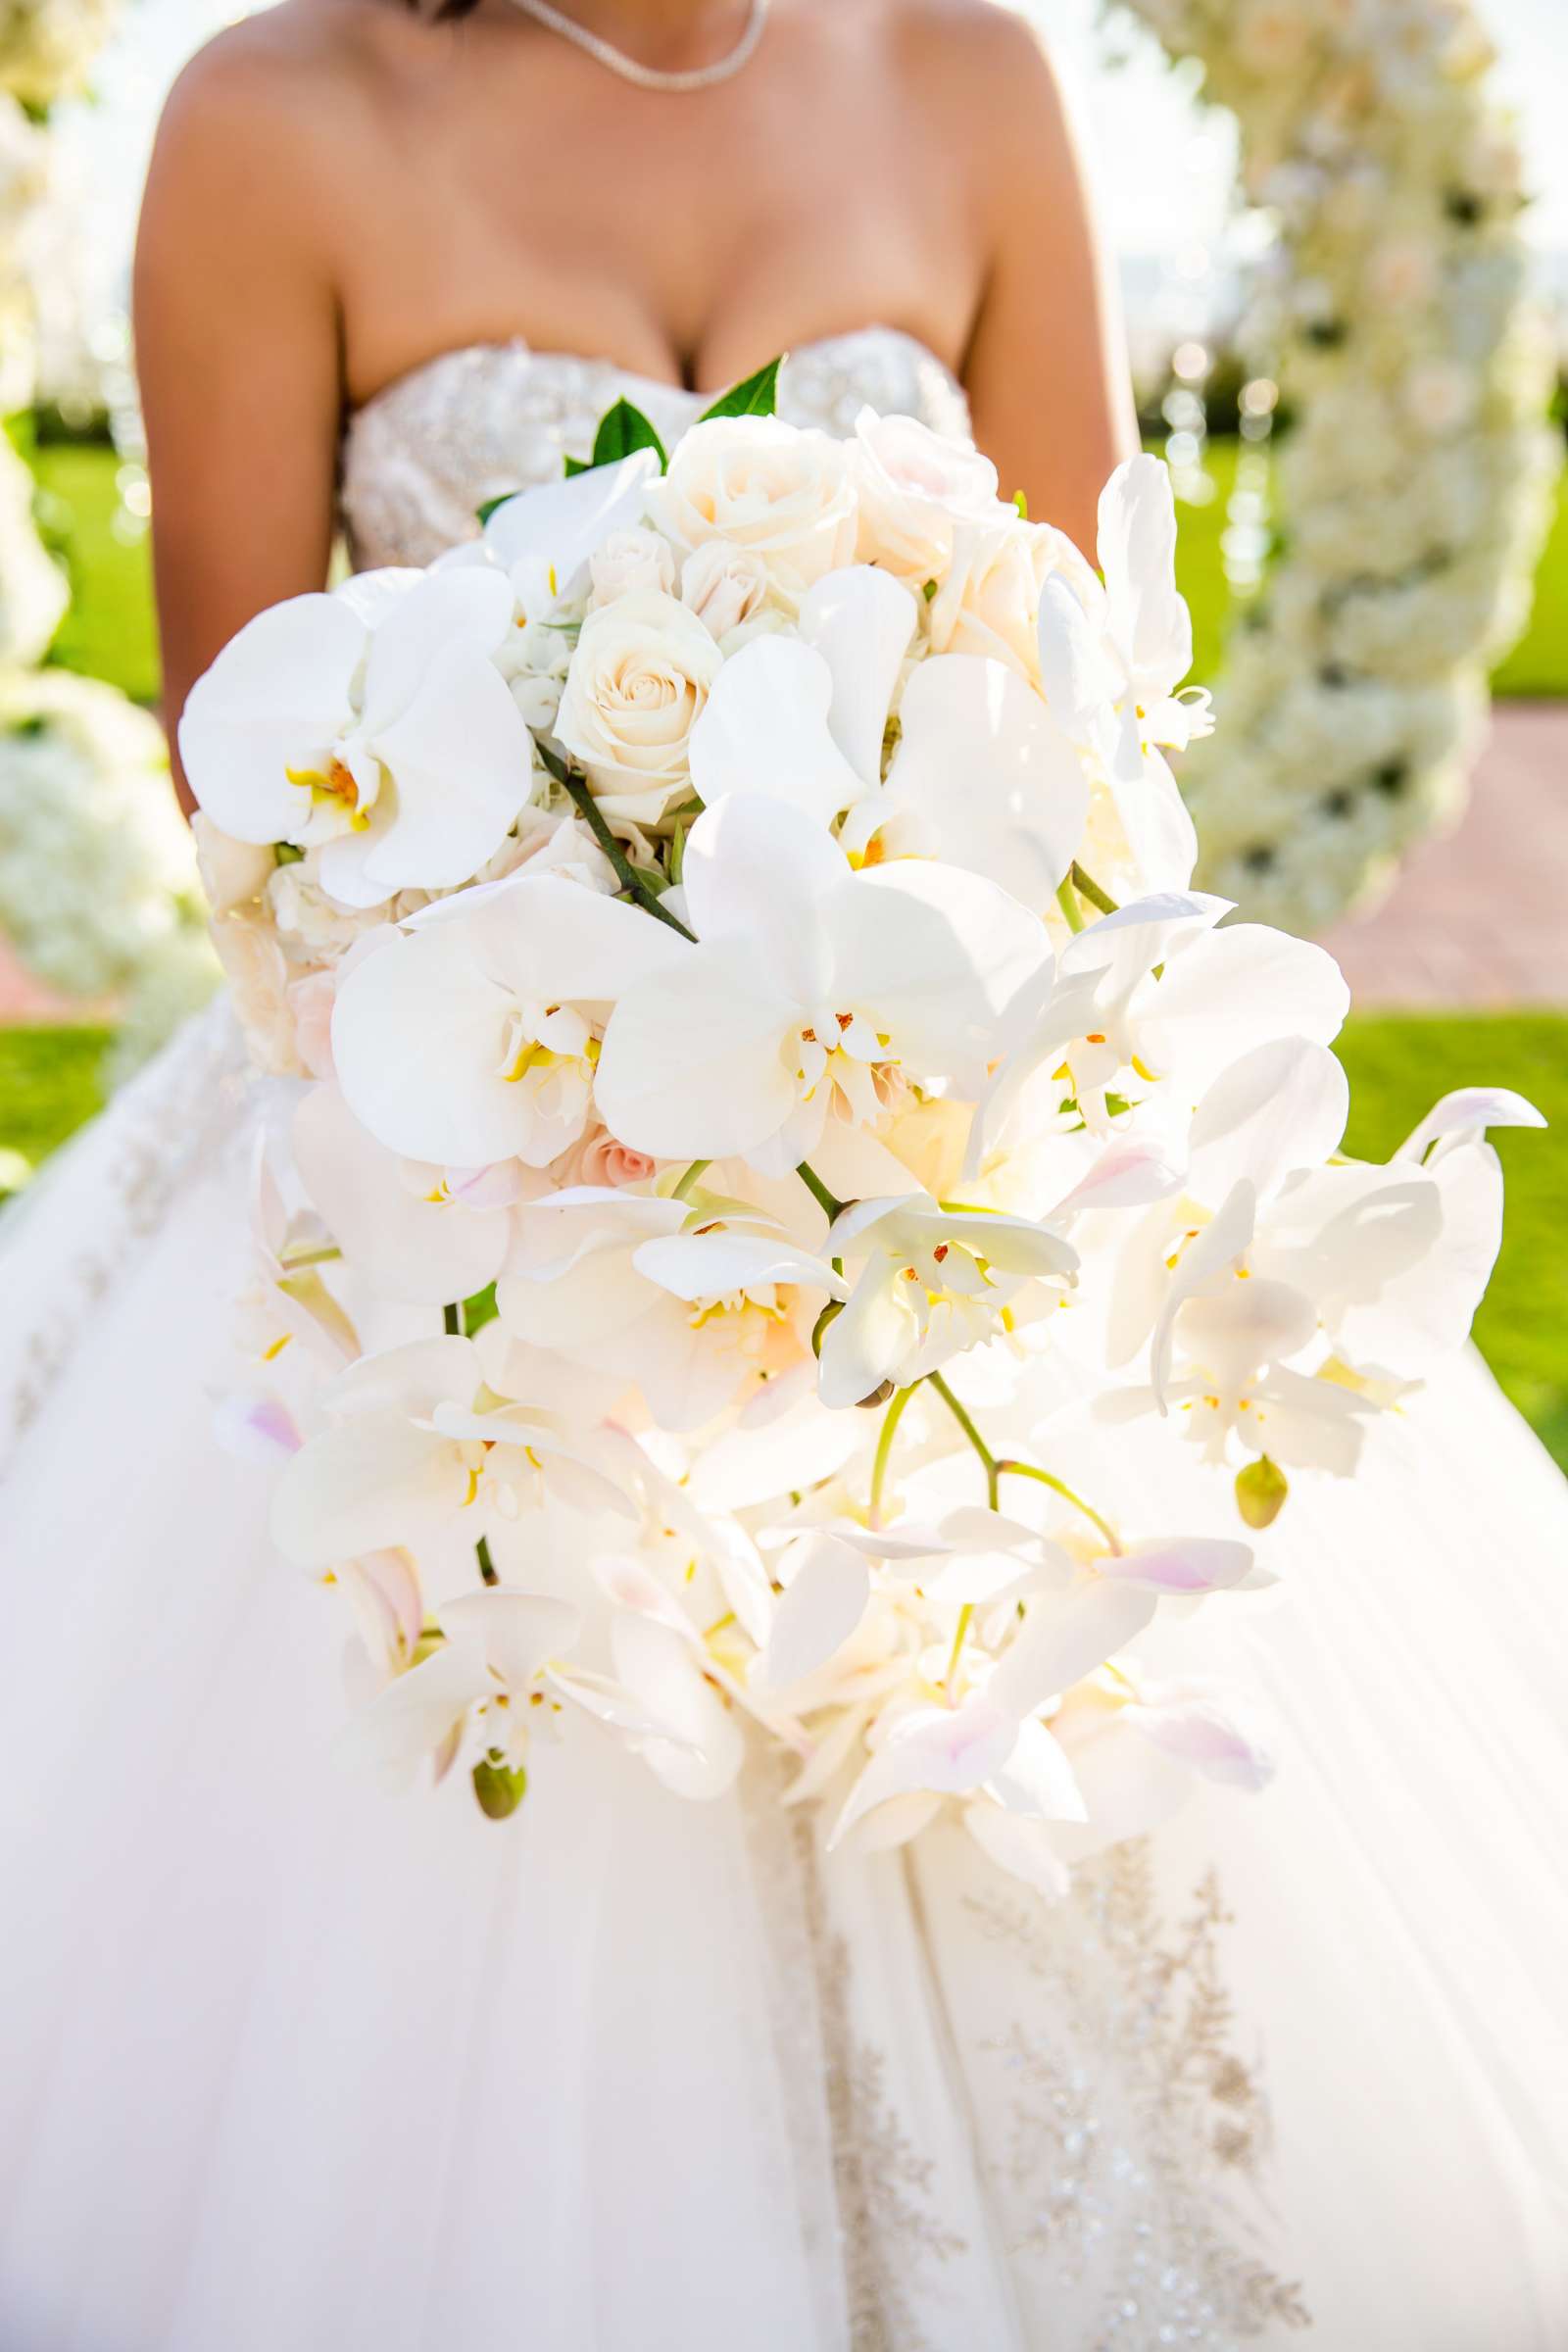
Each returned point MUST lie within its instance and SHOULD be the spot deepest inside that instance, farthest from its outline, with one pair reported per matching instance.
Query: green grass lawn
(109, 632)
(49, 1082)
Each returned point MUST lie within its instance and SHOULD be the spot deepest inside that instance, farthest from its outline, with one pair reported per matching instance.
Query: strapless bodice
(421, 456)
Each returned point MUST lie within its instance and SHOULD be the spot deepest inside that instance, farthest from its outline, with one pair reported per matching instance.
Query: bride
(285, 2066)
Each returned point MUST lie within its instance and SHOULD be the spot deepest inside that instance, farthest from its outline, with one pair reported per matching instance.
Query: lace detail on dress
(111, 1189)
(1137, 2135)
(421, 457)
(889, 2213)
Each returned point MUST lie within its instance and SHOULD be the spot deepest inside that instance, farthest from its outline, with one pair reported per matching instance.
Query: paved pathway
(1479, 919)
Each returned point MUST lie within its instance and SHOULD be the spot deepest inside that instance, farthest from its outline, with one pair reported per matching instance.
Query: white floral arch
(98, 886)
(1414, 481)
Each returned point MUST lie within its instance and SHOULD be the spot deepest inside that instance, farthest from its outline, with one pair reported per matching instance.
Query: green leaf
(622, 431)
(652, 878)
(576, 466)
(499, 1788)
(753, 396)
(479, 1310)
(483, 512)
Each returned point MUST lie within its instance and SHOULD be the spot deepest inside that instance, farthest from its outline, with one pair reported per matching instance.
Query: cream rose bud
(597, 1157)
(629, 562)
(723, 585)
(784, 495)
(914, 487)
(637, 685)
(259, 984)
(539, 700)
(232, 872)
(989, 601)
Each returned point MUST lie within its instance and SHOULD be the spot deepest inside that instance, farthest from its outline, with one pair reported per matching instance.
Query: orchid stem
(993, 1473)
(452, 1316)
(487, 1566)
(884, 1449)
(1088, 888)
(1060, 1487)
(683, 1190)
(1067, 901)
(591, 815)
(829, 1203)
(959, 1633)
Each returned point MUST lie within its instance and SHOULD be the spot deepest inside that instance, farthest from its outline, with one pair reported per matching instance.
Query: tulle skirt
(290, 2065)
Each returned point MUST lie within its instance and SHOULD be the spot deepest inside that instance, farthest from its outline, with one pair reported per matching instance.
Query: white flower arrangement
(701, 1204)
(1416, 477)
(99, 892)
(47, 47)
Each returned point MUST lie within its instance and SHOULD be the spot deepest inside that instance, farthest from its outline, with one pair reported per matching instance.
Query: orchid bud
(1261, 1491)
(499, 1789)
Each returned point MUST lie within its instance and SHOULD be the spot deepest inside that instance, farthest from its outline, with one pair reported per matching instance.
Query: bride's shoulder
(989, 71)
(287, 86)
(987, 61)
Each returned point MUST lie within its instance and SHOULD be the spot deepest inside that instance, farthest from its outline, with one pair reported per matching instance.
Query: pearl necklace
(650, 77)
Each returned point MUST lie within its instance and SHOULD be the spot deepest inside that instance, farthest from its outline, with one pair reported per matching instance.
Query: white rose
(232, 871)
(629, 562)
(306, 917)
(723, 585)
(755, 482)
(551, 844)
(538, 699)
(914, 488)
(637, 685)
(989, 602)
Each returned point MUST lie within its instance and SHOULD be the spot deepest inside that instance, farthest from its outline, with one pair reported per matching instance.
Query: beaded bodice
(421, 456)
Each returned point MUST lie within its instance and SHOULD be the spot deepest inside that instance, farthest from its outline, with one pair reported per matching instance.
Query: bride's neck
(669, 33)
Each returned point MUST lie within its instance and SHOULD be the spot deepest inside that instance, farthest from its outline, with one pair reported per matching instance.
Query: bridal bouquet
(771, 1115)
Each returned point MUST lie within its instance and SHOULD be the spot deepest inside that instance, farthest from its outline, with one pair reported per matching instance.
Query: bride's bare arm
(1047, 368)
(237, 352)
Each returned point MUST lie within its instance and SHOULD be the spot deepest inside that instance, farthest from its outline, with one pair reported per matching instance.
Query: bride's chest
(684, 258)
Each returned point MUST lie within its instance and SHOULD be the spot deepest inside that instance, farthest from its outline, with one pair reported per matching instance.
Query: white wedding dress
(287, 2066)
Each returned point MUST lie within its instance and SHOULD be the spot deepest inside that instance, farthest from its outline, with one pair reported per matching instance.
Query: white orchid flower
(1137, 1749)
(1110, 660)
(802, 719)
(809, 988)
(472, 1037)
(695, 1308)
(1229, 1351)
(700, 1754)
(543, 538)
(397, 1222)
(1019, 818)
(1397, 1258)
(993, 1739)
(1154, 997)
(936, 1282)
(418, 1446)
(497, 1665)
(287, 1297)
(372, 723)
